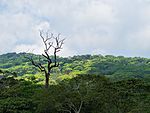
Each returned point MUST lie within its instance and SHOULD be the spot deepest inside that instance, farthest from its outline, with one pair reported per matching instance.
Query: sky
(114, 27)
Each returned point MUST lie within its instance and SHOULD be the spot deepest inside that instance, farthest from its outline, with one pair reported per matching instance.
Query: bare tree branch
(50, 42)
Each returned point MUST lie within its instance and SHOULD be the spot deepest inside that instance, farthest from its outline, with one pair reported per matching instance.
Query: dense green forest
(81, 84)
(116, 68)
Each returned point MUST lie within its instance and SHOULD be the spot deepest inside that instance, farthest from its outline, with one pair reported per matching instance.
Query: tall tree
(51, 42)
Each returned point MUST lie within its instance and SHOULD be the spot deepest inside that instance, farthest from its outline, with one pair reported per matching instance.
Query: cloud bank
(118, 27)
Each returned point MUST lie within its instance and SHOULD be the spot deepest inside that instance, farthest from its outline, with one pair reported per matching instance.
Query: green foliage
(82, 84)
(78, 94)
(97, 95)
(16, 96)
(116, 68)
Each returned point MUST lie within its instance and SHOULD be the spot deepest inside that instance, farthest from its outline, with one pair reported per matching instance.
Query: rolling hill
(115, 67)
(103, 84)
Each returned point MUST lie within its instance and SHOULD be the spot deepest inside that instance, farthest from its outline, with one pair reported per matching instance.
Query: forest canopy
(81, 84)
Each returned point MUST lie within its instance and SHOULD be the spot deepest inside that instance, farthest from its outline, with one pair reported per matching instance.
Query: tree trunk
(46, 81)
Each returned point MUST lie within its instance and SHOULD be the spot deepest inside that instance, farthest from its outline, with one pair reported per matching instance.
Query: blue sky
(117, 27)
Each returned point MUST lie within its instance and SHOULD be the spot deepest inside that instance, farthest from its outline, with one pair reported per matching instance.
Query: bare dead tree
(51, 42)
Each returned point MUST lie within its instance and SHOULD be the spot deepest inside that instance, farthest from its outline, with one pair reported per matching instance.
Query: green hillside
(81, 84)
(117, 68)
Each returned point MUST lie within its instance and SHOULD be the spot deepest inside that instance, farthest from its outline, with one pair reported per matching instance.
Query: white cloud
(95, 12)
(139, 41)
(88, 25)
(28, 48)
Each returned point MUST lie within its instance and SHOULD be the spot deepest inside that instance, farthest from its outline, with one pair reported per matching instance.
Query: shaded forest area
(81, 84)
